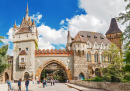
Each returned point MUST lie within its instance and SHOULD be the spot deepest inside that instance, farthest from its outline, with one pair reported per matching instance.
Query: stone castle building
(82, 57)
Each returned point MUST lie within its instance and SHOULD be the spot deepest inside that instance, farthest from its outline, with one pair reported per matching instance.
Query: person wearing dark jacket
(26, 84)
(19, 84)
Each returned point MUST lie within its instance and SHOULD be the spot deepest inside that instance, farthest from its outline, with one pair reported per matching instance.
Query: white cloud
(9, 41)
(97, 19)
(36, 17)
(62, 22)
(98, 16)
(50, 36)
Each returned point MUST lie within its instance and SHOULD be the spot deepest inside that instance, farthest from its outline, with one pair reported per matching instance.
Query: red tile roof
(23, 52)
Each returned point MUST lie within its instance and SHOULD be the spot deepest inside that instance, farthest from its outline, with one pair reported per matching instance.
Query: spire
(69, 34)
(26, 16)
(27, 9)
(15, 25)
(33, 22)
(113, 27)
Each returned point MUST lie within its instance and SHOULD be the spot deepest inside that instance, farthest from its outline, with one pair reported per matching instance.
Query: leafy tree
(113, 72)
(1, 37)
(125, 18)
(3, 56)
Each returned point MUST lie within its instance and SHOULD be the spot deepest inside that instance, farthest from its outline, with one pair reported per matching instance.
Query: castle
(81, 59)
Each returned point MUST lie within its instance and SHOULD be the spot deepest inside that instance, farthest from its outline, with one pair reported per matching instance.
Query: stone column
(100, 57)
(92, 58)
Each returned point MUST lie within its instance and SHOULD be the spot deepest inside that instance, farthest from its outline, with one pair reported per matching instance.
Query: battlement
(52, 52)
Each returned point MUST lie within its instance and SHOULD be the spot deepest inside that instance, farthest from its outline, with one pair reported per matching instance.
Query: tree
(1, 37)
(113, 72)
(3, 56)
(125, 18)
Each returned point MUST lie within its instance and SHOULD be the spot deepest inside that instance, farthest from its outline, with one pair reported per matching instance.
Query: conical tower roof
(33, 22)
(15, 25)
(113, 27)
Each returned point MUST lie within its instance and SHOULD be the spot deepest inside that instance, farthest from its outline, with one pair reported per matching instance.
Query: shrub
(96, 79)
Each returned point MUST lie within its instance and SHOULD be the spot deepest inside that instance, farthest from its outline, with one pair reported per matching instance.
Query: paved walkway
(80, 88)
(58, 87)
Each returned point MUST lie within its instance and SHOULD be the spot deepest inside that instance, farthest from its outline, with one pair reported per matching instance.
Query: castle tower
(25, 40)
(114, 33)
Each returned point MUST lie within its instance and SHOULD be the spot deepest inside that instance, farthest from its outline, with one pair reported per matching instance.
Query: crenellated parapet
(52, 52)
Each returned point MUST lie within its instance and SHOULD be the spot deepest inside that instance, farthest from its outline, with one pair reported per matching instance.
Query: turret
(114, 33)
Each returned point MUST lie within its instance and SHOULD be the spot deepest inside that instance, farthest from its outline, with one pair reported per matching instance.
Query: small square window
(19, 49)
(26, 49)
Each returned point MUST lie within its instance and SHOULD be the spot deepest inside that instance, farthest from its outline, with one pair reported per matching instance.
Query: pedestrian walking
(26, 84)
(9, 84)
(44, 82)
(39, 81)
(51, 82)
(19, 84)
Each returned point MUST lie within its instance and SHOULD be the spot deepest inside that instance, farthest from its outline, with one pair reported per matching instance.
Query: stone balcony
(22, 65)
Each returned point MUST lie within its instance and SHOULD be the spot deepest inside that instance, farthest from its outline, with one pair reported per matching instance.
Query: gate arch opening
(57, 62)
(81, 76)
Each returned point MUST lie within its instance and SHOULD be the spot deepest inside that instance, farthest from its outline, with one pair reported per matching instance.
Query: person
(19, 84)
(9, 84)
(26, 84)
(51, 82)
(39, 81)
(44, 82)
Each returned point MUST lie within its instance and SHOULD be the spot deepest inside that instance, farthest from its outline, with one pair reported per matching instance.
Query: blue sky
(53, 17)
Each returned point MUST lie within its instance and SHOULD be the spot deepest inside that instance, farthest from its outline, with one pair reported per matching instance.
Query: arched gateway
(46, 63)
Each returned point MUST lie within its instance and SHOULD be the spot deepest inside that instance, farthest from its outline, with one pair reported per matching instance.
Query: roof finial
(15, 24)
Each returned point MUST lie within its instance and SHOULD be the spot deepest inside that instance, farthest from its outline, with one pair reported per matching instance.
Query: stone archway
(41, 67)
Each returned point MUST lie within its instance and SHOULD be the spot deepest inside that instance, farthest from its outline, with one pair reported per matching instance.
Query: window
(26, 49)
(22, 59)
(89, 57)
(102, 58)
(96, 57)
(109, 58)
(19, 49)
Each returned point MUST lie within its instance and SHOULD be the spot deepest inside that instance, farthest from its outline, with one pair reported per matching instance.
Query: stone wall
(103, 85)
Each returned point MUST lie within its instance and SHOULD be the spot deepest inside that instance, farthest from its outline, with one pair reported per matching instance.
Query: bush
(96, 79)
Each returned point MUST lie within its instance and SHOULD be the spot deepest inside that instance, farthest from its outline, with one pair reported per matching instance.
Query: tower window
(22, 59)
(19, 49)
(27, 35)
(26, 49)
(19, 36)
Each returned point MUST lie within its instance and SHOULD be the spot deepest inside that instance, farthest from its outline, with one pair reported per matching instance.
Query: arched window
(88, 57)
(96, 57)
(102, 57)
(109, 58)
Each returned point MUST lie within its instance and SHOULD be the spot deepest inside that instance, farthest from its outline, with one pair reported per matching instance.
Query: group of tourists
(19, 84)
(45, 82)
(52, 81)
